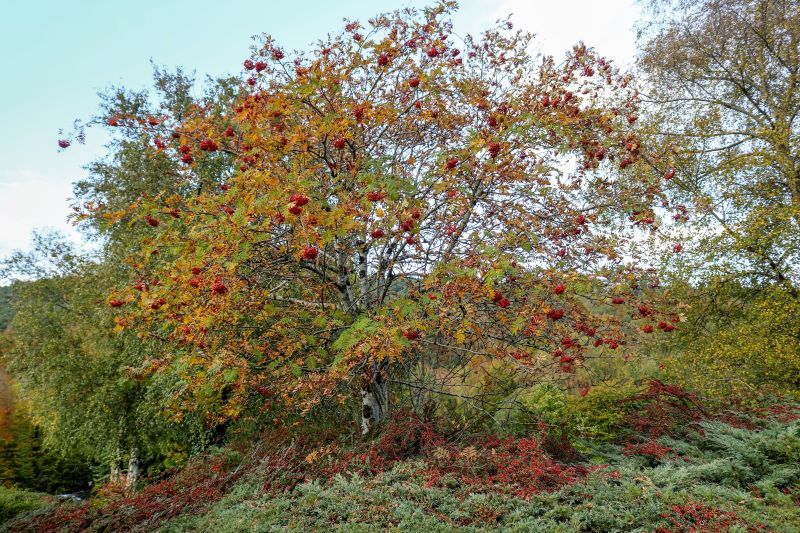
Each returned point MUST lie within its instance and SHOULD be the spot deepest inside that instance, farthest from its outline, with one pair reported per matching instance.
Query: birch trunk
(133, 469)
(374, 397)
(116, 468)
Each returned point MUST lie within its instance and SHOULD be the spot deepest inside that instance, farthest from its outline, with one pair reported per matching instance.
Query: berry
(339, 143)
(410, 334)
(225, 187)
(207, 145)
(116, 303)
(451, 163)
(407, 225)
(299, 199)
(295, 209)
(218, 287)
(195, 282)
(559, 289)
(494, 149)
(377, 233)
(277, 54)
(618, 300)
(669, 174)
(229, 131)
(64, 143)
(152, 221)
(196, 271)
(260, 66)
(432, 51)
(555, 314)
(113, 122)
(249, 65)
(414, 82)
(376, 196)
(383, 60)
(187, 158)
(157, 303)
(647, 328)
(580, 220)
(309, 253)
(153, 121)
(677, 248)
(159, 142)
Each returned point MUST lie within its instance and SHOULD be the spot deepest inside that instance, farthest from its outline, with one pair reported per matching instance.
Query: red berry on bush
(383, 60)
(647, 328)
(195, 282)
(152, 221)
(559, 289)
(451, 163)
(414, 82)
(375, 196)
(669, 174)
(158, 303)
(339, 143)
(555, 314)
(64, 143)
(207, 145)
(310, 253)
(249, 65)
(618, 300)
(377, 233)
(218, 287)
(116, 303)
(277, 54)
(410, 334)
(260, 66)
(299, 199)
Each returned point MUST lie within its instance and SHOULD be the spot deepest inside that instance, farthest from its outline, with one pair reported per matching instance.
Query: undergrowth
(672, 467)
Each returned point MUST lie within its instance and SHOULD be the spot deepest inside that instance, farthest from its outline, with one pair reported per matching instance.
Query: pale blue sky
(56, 55)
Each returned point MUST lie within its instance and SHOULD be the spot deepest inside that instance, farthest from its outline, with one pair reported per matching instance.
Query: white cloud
(28, 201)
(606, 25)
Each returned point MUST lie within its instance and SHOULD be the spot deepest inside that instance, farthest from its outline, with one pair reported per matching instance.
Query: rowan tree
(398, 195)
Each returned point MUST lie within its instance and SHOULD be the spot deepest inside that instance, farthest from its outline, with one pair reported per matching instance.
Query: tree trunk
(374, 396)
(133, 469)
(116, 467)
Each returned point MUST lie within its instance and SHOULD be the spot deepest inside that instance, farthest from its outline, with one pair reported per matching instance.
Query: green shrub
(15, 501)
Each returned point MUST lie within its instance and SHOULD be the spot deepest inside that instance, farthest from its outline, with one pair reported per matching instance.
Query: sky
(58, 55)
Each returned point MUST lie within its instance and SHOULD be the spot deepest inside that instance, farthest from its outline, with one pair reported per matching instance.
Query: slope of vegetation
(685, 469)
